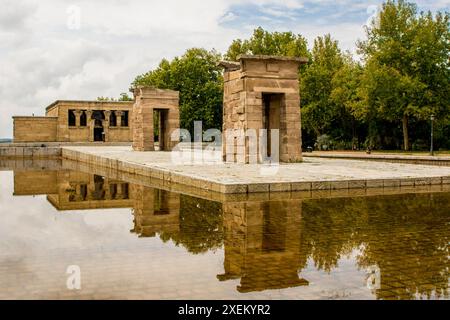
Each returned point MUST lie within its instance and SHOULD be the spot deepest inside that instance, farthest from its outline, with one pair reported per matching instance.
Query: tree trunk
(405, 133)
(354, 139)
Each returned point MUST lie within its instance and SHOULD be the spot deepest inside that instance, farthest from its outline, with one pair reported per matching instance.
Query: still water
(130, 241)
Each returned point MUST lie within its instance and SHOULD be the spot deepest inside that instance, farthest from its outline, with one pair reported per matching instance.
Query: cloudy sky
(82, 49)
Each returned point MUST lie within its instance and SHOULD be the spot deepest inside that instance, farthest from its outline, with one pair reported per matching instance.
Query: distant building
(78, 121)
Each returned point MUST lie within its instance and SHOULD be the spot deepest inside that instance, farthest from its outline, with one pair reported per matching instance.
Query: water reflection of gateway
(155, 211)
(262, 244)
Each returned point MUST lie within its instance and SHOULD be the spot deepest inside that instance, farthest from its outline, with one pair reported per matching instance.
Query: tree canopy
(407, 70)
(269, 43)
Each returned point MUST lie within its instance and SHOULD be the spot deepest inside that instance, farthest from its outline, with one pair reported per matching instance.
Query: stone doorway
(99, 132)
(272, 110)
(156, 119)
(160, 126)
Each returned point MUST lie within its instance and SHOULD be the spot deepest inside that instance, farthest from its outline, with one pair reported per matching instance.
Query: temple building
(77, 121)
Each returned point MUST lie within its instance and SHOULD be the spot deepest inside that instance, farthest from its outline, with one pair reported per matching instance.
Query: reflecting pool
(133, 241)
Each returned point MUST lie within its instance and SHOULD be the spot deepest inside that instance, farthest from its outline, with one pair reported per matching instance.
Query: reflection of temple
(86, 191)
(69, 190)
(155, 210)
(262, 244)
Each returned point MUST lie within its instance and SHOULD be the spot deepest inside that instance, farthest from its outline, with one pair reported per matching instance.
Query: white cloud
(42, 60)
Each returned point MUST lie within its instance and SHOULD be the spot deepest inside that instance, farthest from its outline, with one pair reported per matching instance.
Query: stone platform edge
(175, 178)
(237, 197)
(411, 159)
(30, 151)
(44, 149)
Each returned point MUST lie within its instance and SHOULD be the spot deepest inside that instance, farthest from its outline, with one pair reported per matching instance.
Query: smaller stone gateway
(155, 109)
(261, 97)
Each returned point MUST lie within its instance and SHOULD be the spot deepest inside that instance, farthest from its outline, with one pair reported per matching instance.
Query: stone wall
(29, 152)
(35, 129)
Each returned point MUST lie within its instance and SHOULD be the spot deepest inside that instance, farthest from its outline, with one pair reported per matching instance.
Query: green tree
(346, 95)
(198, 78)
(105, 99)
(125, 97)
(319, 110)
(407, 66)
(269, 43)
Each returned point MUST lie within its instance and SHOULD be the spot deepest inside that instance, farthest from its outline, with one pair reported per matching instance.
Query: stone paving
(212, 174)
(425, 159)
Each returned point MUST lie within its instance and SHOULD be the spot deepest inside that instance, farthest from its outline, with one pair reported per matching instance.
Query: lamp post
(432, 135)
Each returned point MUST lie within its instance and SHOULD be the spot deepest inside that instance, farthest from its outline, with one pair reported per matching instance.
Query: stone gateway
(155, 110)
(261, 96)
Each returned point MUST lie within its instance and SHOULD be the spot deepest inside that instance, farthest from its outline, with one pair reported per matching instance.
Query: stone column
(107, 189)
(90, 125)
(78, 192)
(77, 117)
(119, 194)
(107, 113)
(119, 115)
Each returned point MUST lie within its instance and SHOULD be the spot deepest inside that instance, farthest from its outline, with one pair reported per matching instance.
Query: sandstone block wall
(35, 129)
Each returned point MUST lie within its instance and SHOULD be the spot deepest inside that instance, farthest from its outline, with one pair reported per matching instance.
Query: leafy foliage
(269, 43)
(407, 67)
(198, 78)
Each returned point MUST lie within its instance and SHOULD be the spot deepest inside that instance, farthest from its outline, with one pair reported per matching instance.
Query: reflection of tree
(328, 229)
(410, 246)
(200, 225)
(405, 236)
